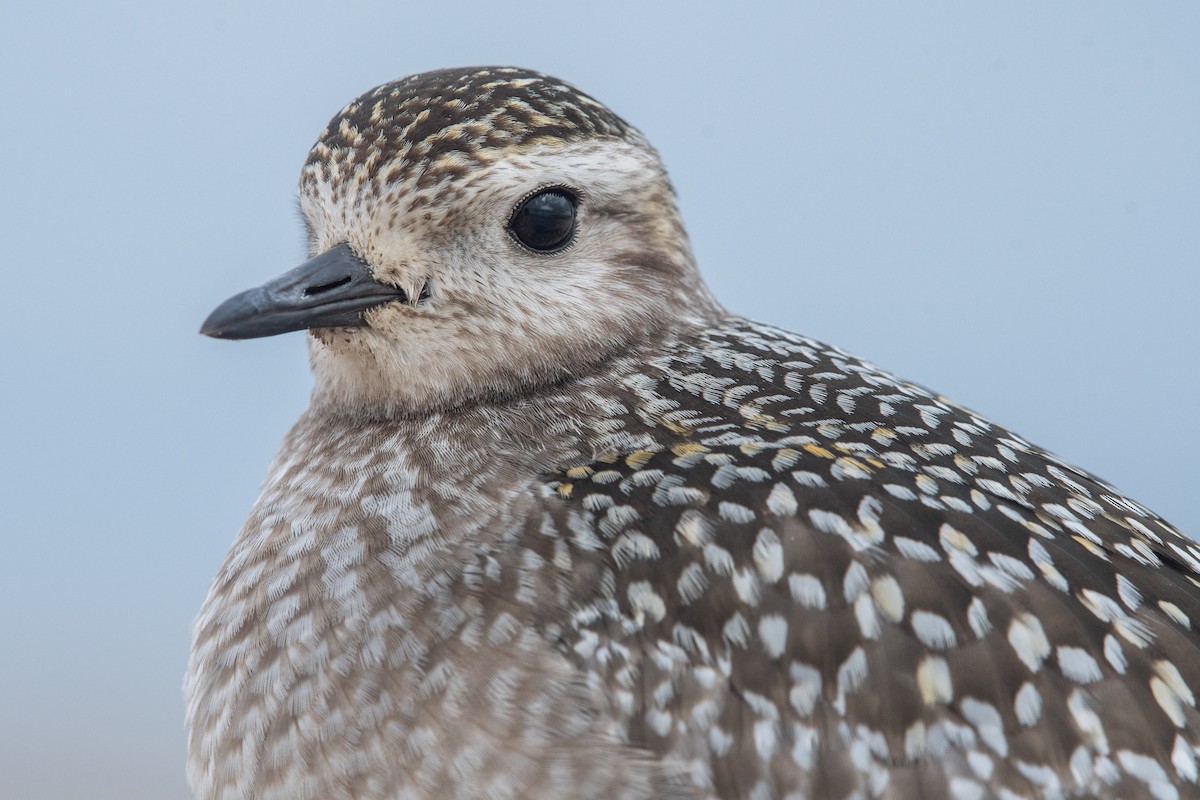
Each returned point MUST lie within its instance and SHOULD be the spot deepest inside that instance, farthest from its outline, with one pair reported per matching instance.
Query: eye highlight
(545, 221)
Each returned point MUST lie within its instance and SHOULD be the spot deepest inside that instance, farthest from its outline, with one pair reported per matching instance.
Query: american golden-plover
(556, 525)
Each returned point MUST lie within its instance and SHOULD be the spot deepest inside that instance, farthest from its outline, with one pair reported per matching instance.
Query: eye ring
(544, 221)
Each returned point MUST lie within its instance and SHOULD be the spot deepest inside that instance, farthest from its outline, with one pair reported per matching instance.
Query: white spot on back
(1012, 566)
(806, 740)
(765, 737)
(1085, 716)
(735, 512)
(977, 618)
(965, 789)
(806, 688)
(852, 671)
(917, 551)
(1170, 674)
(856, 581)
(718, 559)
(868, 620)
(1169, 700)
(807, 590)
(1028, 640)
(1078, 664)
(768, 555)
(1175, 612)
(773, 630)
(829, 522)
(719, 742)
(1128, 593)
(736, 631)
(658, 721)
(1028, 704)
(644, 600)
(916, 741)
(1183, 758)
(888, 597)
(1114, 653)
(981, 764)
(782, 501)
(692, 583)
(745, 583)
(1043, 776)
(934, 630)
(933, 679)
(988, 724)
(1150, 772)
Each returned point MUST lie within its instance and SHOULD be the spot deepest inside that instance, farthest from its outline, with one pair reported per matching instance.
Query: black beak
(329, 291)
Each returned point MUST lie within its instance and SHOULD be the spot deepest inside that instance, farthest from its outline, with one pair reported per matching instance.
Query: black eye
(546, 221)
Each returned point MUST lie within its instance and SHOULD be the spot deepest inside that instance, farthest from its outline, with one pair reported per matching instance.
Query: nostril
(313, 291)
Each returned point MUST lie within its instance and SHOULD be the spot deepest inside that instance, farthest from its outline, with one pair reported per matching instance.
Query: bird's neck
(432, 483)
(444, 368)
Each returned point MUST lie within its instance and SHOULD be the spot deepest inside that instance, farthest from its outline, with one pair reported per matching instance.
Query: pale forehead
(433, 127)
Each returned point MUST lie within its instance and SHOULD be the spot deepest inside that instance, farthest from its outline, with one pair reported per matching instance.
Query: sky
(1000, 201)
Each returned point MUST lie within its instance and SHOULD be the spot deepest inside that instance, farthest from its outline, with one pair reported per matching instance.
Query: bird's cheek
(388, 318)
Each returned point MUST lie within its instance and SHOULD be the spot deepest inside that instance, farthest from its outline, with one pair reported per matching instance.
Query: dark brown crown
(438, 124)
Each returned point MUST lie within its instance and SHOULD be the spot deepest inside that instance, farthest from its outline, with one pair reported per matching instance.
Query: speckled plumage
(604, 539)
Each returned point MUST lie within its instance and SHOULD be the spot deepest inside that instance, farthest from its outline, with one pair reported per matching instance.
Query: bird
(558, 525)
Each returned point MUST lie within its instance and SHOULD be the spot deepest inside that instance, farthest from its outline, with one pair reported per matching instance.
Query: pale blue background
(1001, 201)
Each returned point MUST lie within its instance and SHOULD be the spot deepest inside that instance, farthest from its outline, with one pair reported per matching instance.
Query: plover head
(475, 233)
